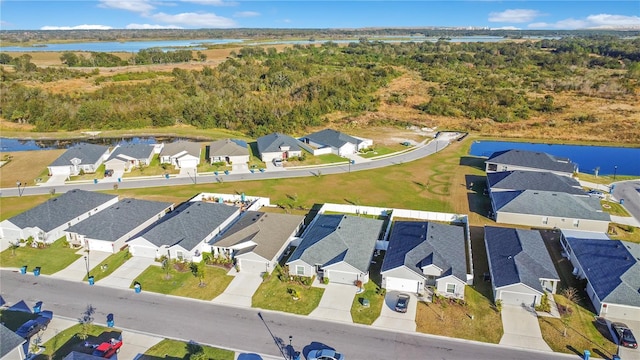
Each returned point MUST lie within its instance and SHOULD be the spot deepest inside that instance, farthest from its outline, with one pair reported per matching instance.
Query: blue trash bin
(91, 280)
(215, 173)
(119, 179)
(23, 270)
(587, 355)
(226, 172)
(36, 271)
(252, 171)
(615, 357)
(110, 321)
(166, 176)
(95, 181)
(621, 201)
(137, 287)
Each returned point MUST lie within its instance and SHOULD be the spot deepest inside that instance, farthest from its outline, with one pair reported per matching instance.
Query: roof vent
(509, 257)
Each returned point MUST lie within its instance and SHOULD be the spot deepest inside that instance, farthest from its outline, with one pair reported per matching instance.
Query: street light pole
(18, 184)
(615, 170)
(86, 261)
(290, 347)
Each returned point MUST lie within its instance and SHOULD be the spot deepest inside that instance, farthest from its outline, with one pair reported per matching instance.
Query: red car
(108, 348)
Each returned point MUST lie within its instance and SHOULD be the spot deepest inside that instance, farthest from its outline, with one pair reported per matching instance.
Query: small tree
(14, 245)
(571, 294)
(86, 322)
(166, 266)
(35, 343)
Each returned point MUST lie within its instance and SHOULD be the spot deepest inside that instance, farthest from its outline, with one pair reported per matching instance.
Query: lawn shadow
(472, 161)
(83, 346)
(478, 202)
(480, 262)
(572, 349)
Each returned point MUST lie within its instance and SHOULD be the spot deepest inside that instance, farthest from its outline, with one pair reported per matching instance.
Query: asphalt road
(417, 153)
(248, 330)
(630, 192)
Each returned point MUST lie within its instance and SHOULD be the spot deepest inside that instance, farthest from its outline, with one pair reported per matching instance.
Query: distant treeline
(143, 57)
(258, 90)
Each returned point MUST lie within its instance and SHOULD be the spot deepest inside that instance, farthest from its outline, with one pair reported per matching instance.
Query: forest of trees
(258, 91)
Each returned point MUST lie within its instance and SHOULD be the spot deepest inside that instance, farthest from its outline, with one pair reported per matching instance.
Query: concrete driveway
(78, 269)
(335, 303)
(391, 319)
(634, 325)
(123, 276)
(521, 328)
(240, 290)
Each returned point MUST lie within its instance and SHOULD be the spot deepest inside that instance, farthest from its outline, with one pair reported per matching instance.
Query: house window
(180, 255)
(451, 288)
(300, 270)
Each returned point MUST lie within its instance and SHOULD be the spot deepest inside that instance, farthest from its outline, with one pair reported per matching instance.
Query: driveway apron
(123, 276)
(391, 319)
(335, 303)
(78, 269)
(521, 328)
(240, 290)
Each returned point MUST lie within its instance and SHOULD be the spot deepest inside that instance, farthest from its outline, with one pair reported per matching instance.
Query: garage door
(398, 284)
(621, 312)
(252, 266)
(516, 298)
(142, 251)
(341, 277)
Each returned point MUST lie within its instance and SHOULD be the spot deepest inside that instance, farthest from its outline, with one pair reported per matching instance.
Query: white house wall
(517, 288)
(322, 151)
(101, 245)
(60, 170)
(505, 167)
(622, 312)
(240, 159)
(551, 222)
(308, 269)
(441, 286)
(345, 271)
(405, 274)
(142, 248)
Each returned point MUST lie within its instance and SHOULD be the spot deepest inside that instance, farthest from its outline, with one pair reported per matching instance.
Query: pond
(10, 145)
(611, 160)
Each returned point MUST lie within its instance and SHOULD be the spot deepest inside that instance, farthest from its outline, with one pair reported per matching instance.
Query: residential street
(242, 329)
(418, 152)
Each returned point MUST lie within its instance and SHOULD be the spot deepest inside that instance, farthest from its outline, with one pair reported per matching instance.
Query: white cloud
(598, 21)
(152, 26)
(138, 6)
(245, 14)
(212, 2)
(506, 28)
(514, 16)
(286, 21)
(77, 27)
(204, 20)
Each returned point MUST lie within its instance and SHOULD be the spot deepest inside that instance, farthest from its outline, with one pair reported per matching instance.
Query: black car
(624, 335)
(402, 303)
(32, 327)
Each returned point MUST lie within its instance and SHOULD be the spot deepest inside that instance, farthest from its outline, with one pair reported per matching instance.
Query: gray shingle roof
(117, 220)
(416, 244)
(533, 180)
(60, 210)
(533, 160)
(228, 147)
(612, 267)
(267, 230)
(188, 224)
(547, 203)
(136, 151)
(335, 238)
(88, 153)
(9, 340)
(76, 355)
(272, 142)
(518, 256)
(333, 138)
(174, 148)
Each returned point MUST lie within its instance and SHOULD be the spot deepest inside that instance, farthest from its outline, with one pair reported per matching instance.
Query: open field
(26, 166)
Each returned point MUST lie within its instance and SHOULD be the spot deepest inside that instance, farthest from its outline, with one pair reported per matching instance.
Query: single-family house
(48, 221)
(520, 267)
(338, 247)
(280, 146)
(257, 240)
(231, 151)
(126, 157)
(12, 345)
(109, 229)
(82, 157)
(509, 160)
(77, 355)
(333, 141)
(549, 209)
(612, 271)
(182, 233)
(533, 180)
(181, 154)
(424, 254)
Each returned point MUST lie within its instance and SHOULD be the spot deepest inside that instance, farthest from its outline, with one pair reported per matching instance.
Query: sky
(225, 14)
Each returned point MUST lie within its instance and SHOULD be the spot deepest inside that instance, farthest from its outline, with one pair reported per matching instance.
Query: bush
(499, 305)
(325, 280)
(545, 305)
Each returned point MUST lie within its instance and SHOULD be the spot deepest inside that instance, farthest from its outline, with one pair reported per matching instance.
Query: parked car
(32, 327)
(324, 354)
(402, 303)
(596, 193)
(277, 162)
(108, 173)
(624, 335)
(108, 348)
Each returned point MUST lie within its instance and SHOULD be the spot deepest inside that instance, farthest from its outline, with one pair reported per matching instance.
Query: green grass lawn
(273, 294)
(582, 332)
(14, 319)
(184, 283)
(367, 315)
(154, 168)
(624, 233)
(378, 151)
(614, 208)
(109, 265)
(99, 174)
(67, 341)
(178, 350)
(51, 259)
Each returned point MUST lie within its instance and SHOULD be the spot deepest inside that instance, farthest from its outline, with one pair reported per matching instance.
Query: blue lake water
(10, 145)
(135, 46)
(627, 160)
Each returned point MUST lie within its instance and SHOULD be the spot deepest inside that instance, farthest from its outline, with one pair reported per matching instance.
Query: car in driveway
(624, 336)
(324, 354)
(596, 193)
(108, 348)
(402, 303)
(32, 327)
